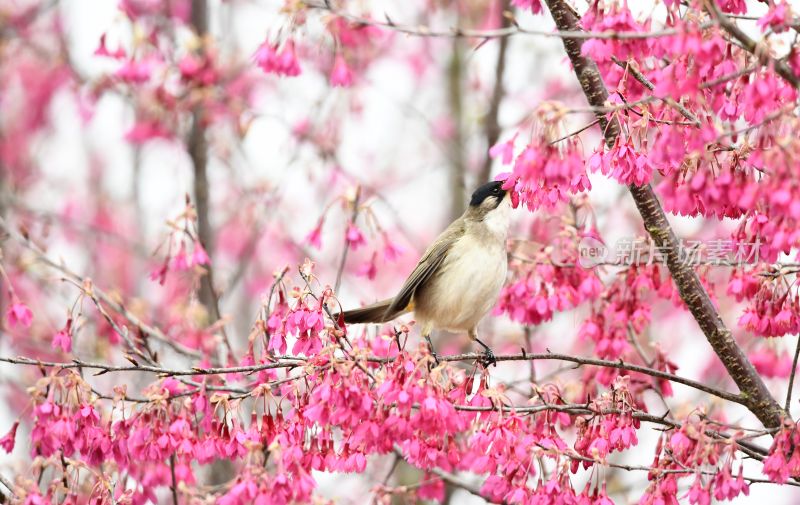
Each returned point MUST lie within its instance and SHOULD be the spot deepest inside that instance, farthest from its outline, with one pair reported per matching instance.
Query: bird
(459, 277)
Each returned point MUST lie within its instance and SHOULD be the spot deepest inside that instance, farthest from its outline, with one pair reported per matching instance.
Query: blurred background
(111, 120)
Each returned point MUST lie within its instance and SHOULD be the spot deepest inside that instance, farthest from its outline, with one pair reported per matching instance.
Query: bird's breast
(467, 285)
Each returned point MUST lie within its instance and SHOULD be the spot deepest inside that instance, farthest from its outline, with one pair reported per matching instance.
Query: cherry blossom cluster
(544, 173)
(551, 281)
(692, 447)
(128, 390)
(355, 46)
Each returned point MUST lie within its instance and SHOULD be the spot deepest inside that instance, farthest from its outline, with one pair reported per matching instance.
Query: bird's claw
(488, 358)
(432, 351)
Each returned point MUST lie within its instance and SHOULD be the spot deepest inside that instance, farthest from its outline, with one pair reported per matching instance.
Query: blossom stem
(346, 247)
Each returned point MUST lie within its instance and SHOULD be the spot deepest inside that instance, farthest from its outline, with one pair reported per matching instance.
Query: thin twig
(491, 124)
(729, 77)
(649, 85)
(459, 32)
(174, 486)
(117, 307)
(787, 404)
(163, 372)
(450, 478)
(7, 483)
(576, 132)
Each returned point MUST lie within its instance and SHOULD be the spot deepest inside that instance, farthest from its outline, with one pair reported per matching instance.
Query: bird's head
(488, 197)
(491, 206)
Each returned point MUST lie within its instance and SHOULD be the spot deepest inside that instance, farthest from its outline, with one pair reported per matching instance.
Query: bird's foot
(487, 359)
(432, 350)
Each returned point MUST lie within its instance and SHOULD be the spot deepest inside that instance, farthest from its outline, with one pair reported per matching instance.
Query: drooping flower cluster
(691, 446)
(190, 254)
(612, 429)
(623, 162)
(304, 321)
(550, 280)
(783, 461)
(279, 60)
(543, 175)
(773, 310)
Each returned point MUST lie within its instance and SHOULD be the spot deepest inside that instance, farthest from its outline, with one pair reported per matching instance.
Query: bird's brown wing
(427, 266)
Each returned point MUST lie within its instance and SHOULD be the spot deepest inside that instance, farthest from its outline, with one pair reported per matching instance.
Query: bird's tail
(376, 313)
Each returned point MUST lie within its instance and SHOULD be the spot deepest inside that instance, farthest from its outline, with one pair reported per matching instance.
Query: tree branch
(780, 66)
(788, 404)
(346, 247)
(197, 145)
(118, 307)
(754, 392)
(459, 32)
(10, 485)
(455, 96)
(291, 361)
(450, 478)
(174, 486)
(491, 124)
(649, 85)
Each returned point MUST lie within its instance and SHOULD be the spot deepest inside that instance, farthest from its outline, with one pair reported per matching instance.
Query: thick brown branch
(756, 395)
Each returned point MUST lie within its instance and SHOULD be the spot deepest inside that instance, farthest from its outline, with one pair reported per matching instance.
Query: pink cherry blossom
(354, 237)
(535, 6)
(199, 255)
(610, 358)
(314, 237)
(63, 340)
(279, 60)
(7, 442)
(341, 75)
(19, 314)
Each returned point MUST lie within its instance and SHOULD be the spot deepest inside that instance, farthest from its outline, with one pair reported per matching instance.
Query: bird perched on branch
(458, 279)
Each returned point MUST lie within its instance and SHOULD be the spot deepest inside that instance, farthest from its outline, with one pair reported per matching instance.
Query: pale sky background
(384, 139)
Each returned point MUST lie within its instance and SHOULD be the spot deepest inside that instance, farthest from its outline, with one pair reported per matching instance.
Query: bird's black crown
(494, 188)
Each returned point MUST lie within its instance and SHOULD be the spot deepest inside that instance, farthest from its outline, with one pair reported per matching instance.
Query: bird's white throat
(498, 220)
